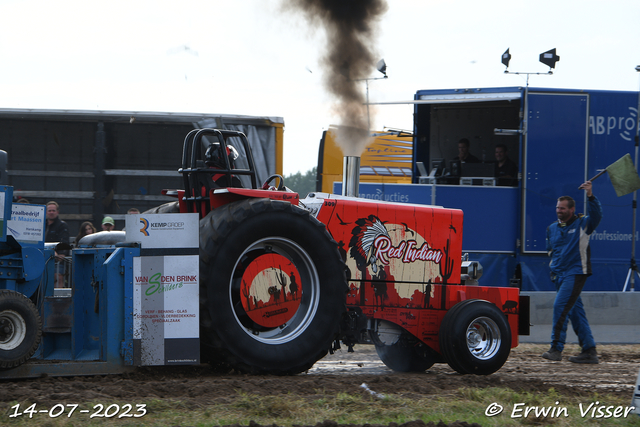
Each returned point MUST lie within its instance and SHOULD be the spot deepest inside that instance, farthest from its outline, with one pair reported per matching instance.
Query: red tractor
(285, 280)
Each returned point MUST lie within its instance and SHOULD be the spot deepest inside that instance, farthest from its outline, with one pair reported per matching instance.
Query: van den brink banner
(165, 289)
(166, 315)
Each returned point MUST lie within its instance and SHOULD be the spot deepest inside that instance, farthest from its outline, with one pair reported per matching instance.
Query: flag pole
(602, 172)
(633, 267)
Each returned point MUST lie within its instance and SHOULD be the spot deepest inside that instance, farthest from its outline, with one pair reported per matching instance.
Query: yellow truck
(388, 159)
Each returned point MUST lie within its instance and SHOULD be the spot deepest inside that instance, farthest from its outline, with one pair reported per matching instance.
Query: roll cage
(198, 177)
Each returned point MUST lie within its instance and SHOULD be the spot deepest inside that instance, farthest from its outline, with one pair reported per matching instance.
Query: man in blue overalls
(568, 247)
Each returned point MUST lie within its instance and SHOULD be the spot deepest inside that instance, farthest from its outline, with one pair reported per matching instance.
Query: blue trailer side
(559, 138)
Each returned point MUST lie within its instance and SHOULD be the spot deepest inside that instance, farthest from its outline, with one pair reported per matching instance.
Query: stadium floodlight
(382, 67)
(549, 58)
(506, 57)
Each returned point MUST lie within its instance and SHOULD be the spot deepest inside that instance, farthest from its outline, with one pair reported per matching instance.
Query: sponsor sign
(165, 289)
(27, 223)
(163, 230)
(166, 312)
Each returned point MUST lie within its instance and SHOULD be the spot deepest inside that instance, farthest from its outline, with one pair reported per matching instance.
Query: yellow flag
(624, 176)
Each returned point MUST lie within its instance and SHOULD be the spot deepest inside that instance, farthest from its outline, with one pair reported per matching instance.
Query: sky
(252, 57)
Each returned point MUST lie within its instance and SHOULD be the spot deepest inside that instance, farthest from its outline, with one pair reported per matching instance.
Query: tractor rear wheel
(272, 287)
(171, 207)
(475, 337)
(20, 329)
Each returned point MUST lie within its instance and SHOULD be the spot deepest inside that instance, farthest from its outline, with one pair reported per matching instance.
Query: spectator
(57, 231)
(107, 223)
(463, 152)
(132, 211)
(85, 229)
(506, 169)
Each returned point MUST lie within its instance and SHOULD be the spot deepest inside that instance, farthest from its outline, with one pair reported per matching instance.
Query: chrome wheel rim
(483, 338)
(13, 330)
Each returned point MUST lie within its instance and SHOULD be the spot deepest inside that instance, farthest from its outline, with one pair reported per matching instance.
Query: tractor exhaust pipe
(351, 176)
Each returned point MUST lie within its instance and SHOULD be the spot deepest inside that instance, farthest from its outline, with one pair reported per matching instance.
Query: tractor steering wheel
(280, 187)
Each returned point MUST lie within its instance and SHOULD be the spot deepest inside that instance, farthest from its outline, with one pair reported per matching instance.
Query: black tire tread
(18, 302)
(170, 207)
(403, 358)
(453, 340)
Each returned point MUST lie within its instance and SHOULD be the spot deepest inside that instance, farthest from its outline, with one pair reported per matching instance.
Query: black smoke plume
(350, 27)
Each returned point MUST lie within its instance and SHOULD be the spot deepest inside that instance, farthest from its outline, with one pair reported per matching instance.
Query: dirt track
(342, 372)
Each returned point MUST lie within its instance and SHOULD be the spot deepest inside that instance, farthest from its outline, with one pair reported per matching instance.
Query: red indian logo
(406, 251)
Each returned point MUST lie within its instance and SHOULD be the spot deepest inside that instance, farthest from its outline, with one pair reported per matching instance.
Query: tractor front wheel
(475, 337)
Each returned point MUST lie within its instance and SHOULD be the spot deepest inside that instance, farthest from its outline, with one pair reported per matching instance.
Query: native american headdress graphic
(363, 235)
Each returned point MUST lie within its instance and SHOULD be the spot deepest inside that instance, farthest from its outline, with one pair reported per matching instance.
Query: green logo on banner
(159, 283)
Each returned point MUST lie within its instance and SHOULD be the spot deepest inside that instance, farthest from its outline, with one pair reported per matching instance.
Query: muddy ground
(339, 373)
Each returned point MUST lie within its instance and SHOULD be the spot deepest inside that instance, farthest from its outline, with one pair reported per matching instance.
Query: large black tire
(401, 351)
(20, 329)
(404, 356)
(233, 237)
(170, 207)
(475, 337)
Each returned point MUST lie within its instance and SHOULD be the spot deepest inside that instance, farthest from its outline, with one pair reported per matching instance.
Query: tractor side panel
(403, 264)
(402, 243)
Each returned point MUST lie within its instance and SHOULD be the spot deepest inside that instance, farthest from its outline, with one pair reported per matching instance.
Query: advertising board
(165, 289)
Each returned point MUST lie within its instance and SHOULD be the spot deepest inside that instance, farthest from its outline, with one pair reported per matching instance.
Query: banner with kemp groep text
(165, 289)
